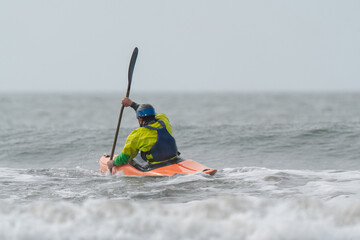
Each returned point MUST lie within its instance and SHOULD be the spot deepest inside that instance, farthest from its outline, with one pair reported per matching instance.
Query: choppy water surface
(289, 168)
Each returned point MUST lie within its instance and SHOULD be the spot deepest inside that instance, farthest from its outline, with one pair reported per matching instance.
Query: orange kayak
(177, 166)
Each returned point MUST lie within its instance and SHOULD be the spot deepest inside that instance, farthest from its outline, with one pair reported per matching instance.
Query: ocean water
(288, 168)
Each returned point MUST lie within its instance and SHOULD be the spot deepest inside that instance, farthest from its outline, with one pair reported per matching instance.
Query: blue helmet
(145, 110)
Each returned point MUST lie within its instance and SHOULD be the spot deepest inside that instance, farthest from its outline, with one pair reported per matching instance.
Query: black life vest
(164, 148)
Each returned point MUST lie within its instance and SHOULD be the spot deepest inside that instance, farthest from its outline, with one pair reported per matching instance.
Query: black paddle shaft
(130, 74)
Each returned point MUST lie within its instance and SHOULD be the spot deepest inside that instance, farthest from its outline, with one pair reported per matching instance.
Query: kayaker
(153, 139)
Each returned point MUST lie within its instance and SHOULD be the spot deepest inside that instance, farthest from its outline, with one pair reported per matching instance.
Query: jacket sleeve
(135, 106)
(121, 159)
(130, 149)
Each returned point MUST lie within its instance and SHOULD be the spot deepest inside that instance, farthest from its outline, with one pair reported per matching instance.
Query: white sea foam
(324, 185)
(237, 203)
(13, 175)
(217, 218)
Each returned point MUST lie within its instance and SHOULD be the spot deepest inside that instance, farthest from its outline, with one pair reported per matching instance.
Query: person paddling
(153, 139)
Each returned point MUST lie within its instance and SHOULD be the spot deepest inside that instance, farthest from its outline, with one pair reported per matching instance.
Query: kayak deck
(180, 166)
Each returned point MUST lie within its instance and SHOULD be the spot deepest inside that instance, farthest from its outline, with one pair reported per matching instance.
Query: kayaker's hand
(126, 102)
(110, 164)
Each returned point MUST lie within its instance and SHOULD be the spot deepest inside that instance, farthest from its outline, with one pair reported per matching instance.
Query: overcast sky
(187, 45)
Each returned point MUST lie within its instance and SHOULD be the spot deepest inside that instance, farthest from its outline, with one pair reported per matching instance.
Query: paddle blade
(132, 66)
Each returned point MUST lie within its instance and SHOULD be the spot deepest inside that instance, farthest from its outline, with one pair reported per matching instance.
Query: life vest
(164, 148)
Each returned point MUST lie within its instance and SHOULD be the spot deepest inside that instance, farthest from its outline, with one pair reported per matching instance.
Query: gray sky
(187, 45)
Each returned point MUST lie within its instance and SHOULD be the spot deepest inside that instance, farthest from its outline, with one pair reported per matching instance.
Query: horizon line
(174, 91)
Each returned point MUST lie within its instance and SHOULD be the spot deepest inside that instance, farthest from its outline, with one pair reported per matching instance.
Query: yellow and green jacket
(141, 139)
